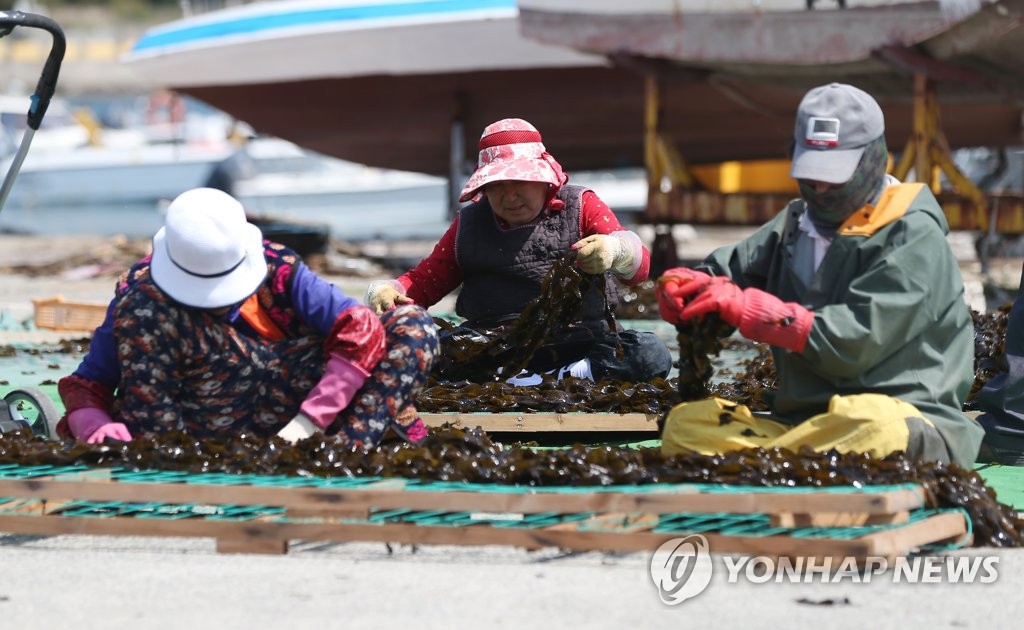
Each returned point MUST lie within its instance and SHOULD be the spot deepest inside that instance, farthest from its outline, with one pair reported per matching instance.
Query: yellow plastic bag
(861, 423)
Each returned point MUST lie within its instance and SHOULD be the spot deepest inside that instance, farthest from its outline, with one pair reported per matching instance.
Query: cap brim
(832, 166)
(191, 290)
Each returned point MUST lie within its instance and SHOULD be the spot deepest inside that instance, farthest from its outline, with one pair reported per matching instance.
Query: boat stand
(675, 197)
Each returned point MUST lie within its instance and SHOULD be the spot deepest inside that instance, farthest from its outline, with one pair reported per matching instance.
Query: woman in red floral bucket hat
(524, 216)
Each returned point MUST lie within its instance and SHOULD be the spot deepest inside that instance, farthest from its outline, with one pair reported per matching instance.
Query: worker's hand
(675, 287)
(409, 424)
(759, 315)
(383, 295)
(298, 429)
(112, 430)
(720, 295)
(619, 252)
(93, 425)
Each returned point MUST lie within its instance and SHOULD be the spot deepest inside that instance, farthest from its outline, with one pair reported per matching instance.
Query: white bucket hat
(207, 254)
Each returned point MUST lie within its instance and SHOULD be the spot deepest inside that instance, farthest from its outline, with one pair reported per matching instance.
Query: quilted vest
(503, 269)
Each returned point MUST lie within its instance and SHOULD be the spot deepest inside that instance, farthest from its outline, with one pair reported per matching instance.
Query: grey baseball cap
(833, 125)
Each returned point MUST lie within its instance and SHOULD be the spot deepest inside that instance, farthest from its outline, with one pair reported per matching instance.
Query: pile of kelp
(450, 454)
(468, 376)
(989, 348)
(484, 355)
(756, 376)
(565, 396)
(750, 383)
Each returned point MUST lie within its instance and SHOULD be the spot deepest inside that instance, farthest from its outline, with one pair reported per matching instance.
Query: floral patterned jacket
(292, 302)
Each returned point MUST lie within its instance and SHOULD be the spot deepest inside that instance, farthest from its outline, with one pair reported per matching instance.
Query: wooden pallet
(261, 515)
(547, 422)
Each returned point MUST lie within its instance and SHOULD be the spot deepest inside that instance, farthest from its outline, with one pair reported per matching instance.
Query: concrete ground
(110, 583)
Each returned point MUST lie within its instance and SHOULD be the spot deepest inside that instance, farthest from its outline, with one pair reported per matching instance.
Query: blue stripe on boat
(288, 19)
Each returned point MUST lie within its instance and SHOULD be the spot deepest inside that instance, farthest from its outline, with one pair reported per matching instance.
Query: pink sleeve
(335, 390)
(597, 218)
(438, 274)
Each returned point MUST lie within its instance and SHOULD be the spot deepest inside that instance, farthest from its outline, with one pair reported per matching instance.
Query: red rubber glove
(94, 425)
(675, 286)
(759, 315)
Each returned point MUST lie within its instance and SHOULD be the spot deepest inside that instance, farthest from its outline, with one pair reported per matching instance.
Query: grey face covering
(829, 209)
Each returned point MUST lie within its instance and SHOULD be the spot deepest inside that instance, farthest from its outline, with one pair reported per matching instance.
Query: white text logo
(916, 570)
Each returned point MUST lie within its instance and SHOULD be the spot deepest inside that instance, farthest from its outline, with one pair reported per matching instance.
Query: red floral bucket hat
(511, 149)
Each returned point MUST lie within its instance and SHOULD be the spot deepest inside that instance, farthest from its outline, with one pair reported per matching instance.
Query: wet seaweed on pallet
(752, 386)
(451, 454)
(474, 355)
(989, 350)
(699, 341)
(482, 355)
(570, 394)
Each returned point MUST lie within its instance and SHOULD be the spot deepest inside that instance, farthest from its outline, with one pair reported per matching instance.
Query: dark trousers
(626, 355)
(1002, 397)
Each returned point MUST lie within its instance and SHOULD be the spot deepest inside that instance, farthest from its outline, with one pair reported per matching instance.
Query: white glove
(299, 428)
(619, 252)
(382, 295)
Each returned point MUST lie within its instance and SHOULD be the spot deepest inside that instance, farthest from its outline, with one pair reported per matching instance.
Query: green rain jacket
(889, 312)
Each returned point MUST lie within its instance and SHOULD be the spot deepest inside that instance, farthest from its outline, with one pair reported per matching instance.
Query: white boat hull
(297, 40)
(732, 74)
(97, 177)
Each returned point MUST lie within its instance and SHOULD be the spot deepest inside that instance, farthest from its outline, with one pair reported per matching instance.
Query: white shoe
(579, 369)
(525, 379)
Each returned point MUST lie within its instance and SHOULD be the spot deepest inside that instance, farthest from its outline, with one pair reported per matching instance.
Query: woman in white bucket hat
(524, 216)
(219, 332)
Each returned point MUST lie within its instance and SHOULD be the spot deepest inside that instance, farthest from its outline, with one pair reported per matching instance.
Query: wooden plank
(546, 422)
(25, 506)
(616, 522)
(345, 500)
(266, 537)
(836, 519)
(335, 513)
(939, 528)
(252, 544)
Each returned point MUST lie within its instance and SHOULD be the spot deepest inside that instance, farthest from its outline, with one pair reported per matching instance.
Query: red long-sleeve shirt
(439, 274)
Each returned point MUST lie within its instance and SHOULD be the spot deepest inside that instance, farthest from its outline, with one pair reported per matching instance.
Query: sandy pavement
(85, 267)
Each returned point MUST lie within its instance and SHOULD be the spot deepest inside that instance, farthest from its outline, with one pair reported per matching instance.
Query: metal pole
(457, 159)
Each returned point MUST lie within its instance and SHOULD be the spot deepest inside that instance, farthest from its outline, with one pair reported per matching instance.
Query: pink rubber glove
(334, 392)
(759, 315)
(675, 286)
(95, 425)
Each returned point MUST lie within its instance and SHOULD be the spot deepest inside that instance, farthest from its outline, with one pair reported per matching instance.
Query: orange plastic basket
(56, 313)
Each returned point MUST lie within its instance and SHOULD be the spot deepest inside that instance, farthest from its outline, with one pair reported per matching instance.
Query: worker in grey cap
(857, 292)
